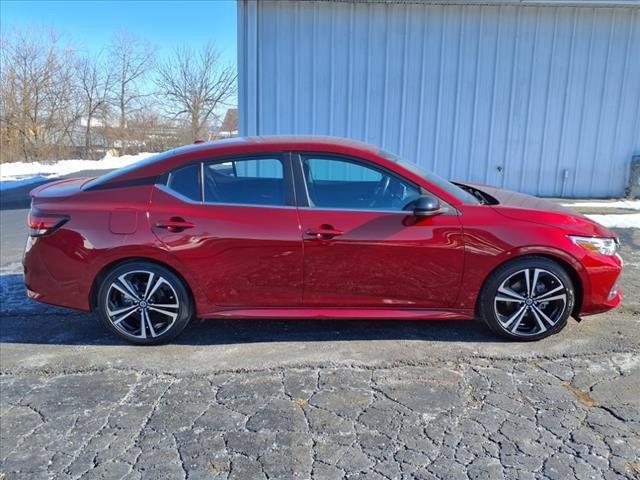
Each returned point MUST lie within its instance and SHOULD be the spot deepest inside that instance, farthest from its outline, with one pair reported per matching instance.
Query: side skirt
(342, 314)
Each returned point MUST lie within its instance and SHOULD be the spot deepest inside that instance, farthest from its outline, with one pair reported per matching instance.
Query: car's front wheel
(144, 303)
(527, 299)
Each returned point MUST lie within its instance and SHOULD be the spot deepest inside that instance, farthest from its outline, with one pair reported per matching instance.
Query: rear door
(362, 249)
(233, 223)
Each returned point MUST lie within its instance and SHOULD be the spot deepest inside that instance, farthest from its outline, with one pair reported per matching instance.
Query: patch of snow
(626, 362)
(18, 174)
(624, 204)
(631, 220)
(11, 268)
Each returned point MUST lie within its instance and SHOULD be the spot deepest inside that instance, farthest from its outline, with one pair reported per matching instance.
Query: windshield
(431, 177)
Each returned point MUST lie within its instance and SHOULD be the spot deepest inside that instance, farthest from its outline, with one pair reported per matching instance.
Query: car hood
(528, 208)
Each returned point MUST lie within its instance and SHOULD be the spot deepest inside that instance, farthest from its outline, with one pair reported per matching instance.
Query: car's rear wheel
(527, 299)
(144, 303)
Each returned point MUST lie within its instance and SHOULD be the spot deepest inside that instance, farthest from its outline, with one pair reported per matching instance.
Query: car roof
(276, 142)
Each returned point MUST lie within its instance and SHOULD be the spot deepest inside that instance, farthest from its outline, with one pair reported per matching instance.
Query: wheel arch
(575, 278)
(569, 267)
(105, 269)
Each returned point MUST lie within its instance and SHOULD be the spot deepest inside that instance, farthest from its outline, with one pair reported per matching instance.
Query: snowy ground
(626, 212)
(622, 204)
(19, 174)
(616, 220)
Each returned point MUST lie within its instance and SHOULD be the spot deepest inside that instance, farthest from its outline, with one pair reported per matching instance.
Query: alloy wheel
(530, 302)
(142, 304)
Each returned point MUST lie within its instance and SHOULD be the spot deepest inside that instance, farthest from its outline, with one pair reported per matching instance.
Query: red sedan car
(310, 227)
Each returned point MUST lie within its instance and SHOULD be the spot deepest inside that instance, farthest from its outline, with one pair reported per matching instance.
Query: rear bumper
(43, 286)
(53, 298)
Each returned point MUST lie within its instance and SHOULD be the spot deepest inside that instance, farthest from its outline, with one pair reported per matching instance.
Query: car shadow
(28, 322)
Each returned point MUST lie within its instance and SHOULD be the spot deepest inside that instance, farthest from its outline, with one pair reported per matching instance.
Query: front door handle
(174, 224)
(323, 232)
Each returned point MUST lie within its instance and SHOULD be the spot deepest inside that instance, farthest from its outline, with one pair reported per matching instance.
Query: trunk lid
(59, 189)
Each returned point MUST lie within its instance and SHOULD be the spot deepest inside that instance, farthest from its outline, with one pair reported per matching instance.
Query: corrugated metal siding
(543, 100)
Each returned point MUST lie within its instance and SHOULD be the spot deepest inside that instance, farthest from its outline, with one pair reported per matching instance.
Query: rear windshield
(114, 174)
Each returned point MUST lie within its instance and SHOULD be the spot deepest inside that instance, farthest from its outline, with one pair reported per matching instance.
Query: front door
(233, 223)
(361, 249)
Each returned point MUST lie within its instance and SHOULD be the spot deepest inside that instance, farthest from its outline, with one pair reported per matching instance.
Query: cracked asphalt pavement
(317, 399)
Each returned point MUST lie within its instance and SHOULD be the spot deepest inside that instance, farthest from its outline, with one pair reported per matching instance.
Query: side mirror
(426, 206)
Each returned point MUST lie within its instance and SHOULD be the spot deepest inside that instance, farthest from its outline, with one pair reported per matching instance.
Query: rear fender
(151, 254)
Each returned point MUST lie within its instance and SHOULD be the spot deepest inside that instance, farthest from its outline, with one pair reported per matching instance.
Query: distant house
(229, 127)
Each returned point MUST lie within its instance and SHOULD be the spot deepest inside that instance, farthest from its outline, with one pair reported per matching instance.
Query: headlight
(604, 246)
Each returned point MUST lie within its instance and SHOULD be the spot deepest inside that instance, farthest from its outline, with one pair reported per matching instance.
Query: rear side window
(186, 182)
(254, 181)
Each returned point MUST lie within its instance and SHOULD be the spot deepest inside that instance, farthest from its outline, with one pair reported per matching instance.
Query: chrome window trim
(360, 210)
(184, 199)
(311, 204)
(202, 182)
(450, 210)
(447, 210)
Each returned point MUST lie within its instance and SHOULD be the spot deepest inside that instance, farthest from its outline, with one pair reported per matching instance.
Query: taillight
(41, 224)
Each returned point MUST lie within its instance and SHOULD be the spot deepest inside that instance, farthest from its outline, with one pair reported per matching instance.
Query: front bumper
(601, 290)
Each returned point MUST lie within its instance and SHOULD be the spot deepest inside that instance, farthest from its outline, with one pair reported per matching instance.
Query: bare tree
(131, 60)
(155, 132)
(52, 100)
(95, 83)
(195, 84)
(39, 106)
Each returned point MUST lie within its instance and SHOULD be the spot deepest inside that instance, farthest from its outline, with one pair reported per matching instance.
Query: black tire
(503, 312)
(170, 297)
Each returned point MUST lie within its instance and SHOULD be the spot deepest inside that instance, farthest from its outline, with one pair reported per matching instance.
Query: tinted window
(349, 185)
(186, 182)
(255, 181)
(431, 177)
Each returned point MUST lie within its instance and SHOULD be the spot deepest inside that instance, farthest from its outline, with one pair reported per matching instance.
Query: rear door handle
(323, 232)
(174, 224)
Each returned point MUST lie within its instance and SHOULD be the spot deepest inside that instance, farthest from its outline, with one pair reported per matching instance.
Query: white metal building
(537, 96)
